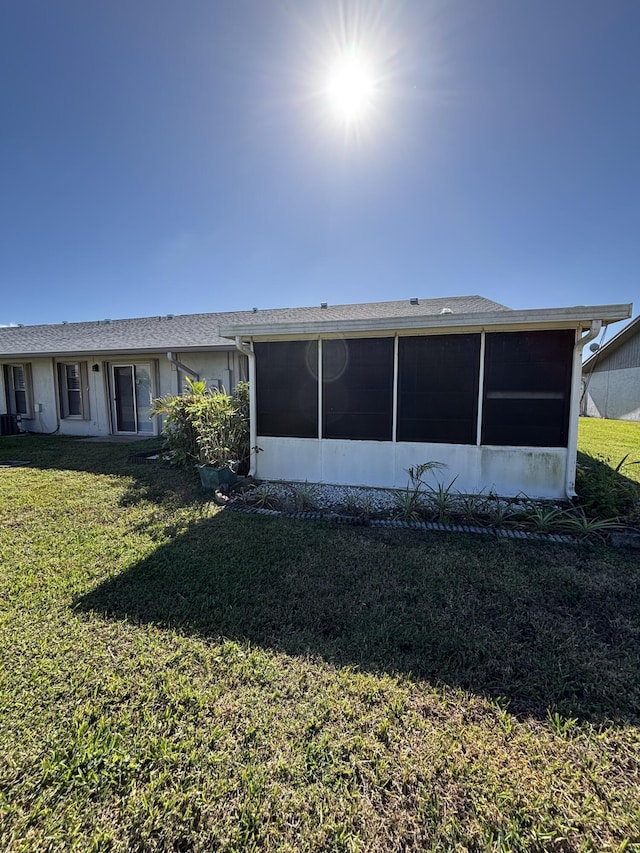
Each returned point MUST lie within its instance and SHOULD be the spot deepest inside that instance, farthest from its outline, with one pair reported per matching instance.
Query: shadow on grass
(604, 489)
(148, 482)
(542, 626)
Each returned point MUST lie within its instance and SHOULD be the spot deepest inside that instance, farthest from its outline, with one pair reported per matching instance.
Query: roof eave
(113, 353)
(539, 318)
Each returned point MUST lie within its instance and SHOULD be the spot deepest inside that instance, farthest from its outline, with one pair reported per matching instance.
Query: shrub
(206, 426)
(603, 490)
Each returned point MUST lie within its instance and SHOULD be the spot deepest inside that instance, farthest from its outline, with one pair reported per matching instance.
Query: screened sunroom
(492, 396)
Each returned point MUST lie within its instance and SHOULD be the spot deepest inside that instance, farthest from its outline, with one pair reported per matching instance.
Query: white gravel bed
(358, 499)
(324, 496)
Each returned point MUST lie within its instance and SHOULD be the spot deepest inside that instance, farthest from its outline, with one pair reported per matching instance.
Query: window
(287, 388)
(438, 388)
(72, 385)
(527, 387)
(357, 388)
(17, 383)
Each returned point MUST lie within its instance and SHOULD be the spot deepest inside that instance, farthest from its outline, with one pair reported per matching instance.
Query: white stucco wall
(218, 368)
(221, 368)
(46, 410)
(43, 396)
(97, 422)
(508, 471)
(613, 394)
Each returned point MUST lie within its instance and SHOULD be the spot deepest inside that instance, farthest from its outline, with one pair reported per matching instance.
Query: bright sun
(350, 87)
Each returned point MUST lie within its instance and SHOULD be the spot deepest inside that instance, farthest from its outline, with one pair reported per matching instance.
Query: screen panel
(357, 382)
(527, 387)
(438, 388)
(287, 388)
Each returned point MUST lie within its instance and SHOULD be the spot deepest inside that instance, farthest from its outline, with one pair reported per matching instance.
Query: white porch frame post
(480, 389)
(320, 389)
(574, 405)
(253, 411)
(394, 427)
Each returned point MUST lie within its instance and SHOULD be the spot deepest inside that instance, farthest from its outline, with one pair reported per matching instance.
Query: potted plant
(208, 428)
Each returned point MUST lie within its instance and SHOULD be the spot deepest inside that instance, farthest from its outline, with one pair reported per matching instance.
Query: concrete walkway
(120, 439)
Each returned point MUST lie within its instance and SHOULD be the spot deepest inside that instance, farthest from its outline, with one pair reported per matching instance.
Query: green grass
(613, 440)
(608, 475)
(178, 678)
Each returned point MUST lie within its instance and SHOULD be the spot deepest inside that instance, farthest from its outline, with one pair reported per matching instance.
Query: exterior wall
(43, 395)
(626, 354)
(46, 407)
(613, 394)
(508, 471)
(223, 368)
(98, 421)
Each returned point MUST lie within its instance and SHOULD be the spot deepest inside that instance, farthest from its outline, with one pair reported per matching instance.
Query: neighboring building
(490, 393)
(611, 377)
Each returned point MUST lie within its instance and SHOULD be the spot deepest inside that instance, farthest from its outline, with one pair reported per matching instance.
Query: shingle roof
(184, 332)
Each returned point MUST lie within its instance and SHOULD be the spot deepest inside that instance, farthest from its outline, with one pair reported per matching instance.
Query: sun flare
(350, 87)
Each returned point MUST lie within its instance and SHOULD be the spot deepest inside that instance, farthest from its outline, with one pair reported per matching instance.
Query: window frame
(64, 391)
(11, 390)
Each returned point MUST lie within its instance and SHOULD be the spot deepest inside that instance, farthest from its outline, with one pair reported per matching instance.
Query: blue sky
(162, 157)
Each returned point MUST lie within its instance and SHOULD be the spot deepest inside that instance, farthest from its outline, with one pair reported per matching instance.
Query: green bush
(603, 489)
(206, 426)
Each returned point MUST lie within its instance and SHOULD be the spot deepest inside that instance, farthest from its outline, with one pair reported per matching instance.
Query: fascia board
(113, 353)
(538, 318)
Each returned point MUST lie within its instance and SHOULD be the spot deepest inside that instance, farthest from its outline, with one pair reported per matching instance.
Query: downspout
(183, 367)
(247, 349)
(54, 372)
(574, 406)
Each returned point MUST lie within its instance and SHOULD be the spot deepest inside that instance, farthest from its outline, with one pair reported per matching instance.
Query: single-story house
(491, 394)
(611, 377)
(99, 378)
(345, 394)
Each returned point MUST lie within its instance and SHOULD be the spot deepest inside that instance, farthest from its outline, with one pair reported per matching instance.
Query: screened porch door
(132, 387)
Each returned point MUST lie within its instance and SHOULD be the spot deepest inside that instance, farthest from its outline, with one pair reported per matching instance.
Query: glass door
(143, 397)
(132, 398)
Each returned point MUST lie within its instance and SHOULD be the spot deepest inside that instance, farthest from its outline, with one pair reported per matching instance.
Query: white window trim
(10, 391)
(63, 400)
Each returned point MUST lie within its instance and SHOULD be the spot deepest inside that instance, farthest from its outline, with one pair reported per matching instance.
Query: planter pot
(213, 478)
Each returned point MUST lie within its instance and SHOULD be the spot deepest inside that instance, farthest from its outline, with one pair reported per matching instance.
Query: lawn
(179, 678)
(612, 440)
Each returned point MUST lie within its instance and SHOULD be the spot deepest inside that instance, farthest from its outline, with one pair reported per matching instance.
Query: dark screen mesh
(527, 388)
(357, 380)
(287, 388)
(438, 388)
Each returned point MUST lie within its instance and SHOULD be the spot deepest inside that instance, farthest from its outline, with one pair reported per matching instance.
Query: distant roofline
(536, 318)
(208, 331)
(611, 346)
(157, 318)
